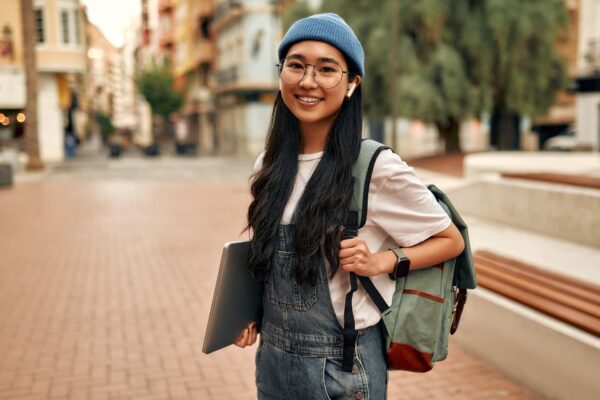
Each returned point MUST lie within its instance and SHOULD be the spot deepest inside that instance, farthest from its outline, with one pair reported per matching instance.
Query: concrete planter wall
(550, 357)
(6, 174)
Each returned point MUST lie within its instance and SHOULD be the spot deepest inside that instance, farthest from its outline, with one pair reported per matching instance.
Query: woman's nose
(308, 80)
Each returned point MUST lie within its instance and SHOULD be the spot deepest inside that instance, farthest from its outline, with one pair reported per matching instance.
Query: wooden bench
(567, 299)
(566, 179)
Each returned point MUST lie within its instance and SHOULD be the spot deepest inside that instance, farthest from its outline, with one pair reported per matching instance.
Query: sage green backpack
(427, 303)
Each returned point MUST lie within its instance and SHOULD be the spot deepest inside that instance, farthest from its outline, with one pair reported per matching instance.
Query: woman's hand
(248, 336)
(356, 257)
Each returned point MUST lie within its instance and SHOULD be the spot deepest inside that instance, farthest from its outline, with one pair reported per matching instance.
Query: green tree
(105, 124)
(434, 80)
(459, 58)
(155, 84)
(297, 10)
(526, 71)
(442, 77)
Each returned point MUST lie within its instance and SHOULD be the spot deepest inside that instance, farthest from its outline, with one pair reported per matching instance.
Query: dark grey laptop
(237, 299)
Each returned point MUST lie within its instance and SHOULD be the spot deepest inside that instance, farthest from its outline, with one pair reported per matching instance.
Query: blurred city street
(106, 277)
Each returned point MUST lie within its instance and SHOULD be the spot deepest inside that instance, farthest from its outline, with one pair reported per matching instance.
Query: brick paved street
(105, 288)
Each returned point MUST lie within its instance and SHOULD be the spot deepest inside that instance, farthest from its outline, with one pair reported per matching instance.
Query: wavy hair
(322, 209)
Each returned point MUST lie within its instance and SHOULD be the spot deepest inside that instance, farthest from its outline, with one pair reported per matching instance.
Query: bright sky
(112, 16)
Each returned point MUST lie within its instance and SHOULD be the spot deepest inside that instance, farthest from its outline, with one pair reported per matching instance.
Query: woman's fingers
(344, 253)
(347, 243)
(248, 336)
(242, 339)
(355, 256)
(252, 335)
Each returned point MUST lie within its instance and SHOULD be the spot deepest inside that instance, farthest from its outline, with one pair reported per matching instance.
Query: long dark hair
(322, 208)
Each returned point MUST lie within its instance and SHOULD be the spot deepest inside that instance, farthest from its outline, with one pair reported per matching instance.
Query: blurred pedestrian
(302, 188)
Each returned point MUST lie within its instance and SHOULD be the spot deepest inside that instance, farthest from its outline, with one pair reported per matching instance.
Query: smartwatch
(402, 264)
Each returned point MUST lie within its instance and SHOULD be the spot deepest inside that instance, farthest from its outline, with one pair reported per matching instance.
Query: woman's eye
(295, 66)
(327, 70)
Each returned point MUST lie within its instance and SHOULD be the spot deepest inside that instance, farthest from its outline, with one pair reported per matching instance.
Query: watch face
(402, 267)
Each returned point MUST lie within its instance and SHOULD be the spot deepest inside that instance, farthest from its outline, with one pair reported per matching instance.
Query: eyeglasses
(326, 74)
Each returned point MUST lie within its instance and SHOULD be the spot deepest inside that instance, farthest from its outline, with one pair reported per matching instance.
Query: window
(77, 27)
(39, 25)
(181, 13)
(64, 22)
(205, 27)
(181, 53)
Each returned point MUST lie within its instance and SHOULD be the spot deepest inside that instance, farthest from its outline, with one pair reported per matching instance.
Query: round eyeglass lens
(327, 75)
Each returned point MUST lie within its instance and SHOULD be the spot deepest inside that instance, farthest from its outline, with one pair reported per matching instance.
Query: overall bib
(301, 341)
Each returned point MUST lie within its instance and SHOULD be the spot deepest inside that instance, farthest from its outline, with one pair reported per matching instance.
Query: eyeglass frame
(314, 74)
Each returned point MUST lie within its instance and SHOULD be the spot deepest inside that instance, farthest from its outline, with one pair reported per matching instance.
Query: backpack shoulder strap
(464, 275)
(357, 216)
(362, 171)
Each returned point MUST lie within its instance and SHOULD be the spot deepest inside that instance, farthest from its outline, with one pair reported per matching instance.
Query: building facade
(245, 79)
(193, 62)
(61, 65)
(588, 72)
(103, 72)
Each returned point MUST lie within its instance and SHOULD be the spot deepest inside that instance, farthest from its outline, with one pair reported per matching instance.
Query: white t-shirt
(401, 212)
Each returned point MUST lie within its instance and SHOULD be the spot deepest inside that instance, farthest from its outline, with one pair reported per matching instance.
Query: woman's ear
(352, 86)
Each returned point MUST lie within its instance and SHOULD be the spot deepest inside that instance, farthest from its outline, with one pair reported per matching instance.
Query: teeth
(309, 99)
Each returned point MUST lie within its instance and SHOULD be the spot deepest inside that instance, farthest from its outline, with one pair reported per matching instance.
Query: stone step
(562, 211)
(558, 255)
(532, 162)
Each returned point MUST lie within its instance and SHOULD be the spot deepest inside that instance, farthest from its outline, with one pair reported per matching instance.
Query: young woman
(301, 191)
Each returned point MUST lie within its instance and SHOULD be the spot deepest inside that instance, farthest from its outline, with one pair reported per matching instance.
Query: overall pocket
(283, 288)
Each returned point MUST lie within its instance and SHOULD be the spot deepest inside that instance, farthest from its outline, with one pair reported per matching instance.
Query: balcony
(225, 7)
(166, 40)
(227, 76)
(203, 8)
(204, 52)
(166, 6)
(226, 12)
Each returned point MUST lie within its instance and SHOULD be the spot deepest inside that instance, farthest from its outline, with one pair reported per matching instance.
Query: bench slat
(565, 284)
(559, 311)
(540, 290)
(564, 298)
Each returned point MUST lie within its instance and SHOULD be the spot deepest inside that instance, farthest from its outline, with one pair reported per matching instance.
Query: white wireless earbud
(351, 90)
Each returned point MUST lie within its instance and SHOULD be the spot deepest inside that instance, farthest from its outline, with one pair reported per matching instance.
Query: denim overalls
(300, 351)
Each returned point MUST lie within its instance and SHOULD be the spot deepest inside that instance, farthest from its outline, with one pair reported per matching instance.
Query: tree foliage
(105, 124)
(299, 9)
(155, 84)
(459, 58)
(526, 70)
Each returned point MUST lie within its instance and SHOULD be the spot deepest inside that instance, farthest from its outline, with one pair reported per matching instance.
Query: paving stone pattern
(105, 289)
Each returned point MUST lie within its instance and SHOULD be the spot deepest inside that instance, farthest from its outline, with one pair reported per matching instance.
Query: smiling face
(314, 106)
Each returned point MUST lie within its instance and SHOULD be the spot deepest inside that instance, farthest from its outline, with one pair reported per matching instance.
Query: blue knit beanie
(329, 28)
